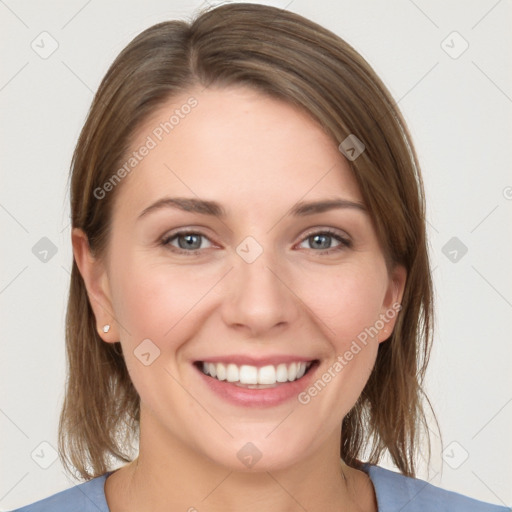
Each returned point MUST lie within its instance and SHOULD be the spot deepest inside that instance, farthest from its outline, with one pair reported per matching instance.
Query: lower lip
(267, 397)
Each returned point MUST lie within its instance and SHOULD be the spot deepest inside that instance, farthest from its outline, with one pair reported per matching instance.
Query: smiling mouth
(253, 377)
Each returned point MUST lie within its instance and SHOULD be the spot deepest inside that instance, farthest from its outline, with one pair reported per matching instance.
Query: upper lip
(240, 360)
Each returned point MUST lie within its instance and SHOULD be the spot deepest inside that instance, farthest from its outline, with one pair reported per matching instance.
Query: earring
(106, 328)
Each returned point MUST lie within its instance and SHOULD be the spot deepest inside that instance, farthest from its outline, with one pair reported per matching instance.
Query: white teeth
(267, 375)
(301, 370)
(292, 371)
(247, 374)
(221, 371)
(281, 373)
(232, 373)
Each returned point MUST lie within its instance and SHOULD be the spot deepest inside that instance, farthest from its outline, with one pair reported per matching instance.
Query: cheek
(155, 300)
(347, 300)
(346, 304)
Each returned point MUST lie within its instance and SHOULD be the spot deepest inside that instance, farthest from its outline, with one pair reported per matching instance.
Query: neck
(170, 475)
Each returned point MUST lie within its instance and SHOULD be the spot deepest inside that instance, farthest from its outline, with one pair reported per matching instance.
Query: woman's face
(223, 250)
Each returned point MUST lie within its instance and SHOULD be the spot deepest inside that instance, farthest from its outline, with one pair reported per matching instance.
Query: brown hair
(288, 57)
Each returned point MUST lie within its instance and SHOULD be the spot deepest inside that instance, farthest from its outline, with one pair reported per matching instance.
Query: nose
(259, 297)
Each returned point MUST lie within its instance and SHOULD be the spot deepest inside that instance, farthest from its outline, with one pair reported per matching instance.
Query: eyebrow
(214, 209)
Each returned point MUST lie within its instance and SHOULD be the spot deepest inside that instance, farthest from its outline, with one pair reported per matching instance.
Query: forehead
(235, 145)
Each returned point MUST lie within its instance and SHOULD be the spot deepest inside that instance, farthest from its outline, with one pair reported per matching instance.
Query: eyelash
(344, 242)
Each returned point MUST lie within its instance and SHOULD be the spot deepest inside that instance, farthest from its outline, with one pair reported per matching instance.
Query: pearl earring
(106, 328)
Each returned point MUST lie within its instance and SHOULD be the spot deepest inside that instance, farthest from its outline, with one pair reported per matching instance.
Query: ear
(95, 277)
(392, 302)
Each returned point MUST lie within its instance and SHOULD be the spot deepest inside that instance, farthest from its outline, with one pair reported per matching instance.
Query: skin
(258, 157)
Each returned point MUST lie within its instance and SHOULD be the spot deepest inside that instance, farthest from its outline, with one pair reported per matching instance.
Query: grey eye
(189, 241)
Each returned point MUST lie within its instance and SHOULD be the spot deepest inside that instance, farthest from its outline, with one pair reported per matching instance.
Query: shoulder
(86, 497)
(398, 492)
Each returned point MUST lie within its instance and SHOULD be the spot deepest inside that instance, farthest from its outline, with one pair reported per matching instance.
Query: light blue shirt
(394, 491)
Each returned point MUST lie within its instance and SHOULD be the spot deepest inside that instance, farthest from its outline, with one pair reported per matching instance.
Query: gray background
(459, 111)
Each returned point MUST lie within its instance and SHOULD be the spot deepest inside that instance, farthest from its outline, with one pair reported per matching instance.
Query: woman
(250, 299)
